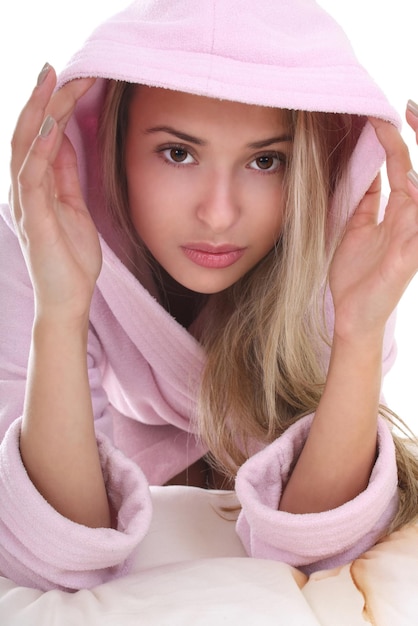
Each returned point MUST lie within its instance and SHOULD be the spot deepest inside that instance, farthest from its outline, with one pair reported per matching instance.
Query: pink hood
(282, 53)
(229, 50)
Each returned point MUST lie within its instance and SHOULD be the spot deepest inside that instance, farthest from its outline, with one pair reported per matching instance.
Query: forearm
(58, 443)
(371, 268)
(336, 461)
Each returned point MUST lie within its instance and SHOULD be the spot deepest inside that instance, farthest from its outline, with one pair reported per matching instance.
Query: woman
(232, 174)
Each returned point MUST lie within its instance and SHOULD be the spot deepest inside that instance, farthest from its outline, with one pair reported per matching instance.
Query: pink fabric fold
(44, 549)
(317, 540)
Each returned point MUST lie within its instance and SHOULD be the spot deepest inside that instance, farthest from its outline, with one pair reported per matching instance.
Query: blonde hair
(111, 134)
(265, 342)
(265, 337)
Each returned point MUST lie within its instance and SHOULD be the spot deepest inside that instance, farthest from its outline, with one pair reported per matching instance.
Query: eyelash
(281, 158)
(168, 148)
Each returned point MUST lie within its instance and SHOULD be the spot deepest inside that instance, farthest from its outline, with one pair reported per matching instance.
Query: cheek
(265, 190)
(153, 184)
(145, 193)
(269, 208)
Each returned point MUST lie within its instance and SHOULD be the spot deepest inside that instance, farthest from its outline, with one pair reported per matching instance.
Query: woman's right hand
(56, 232)
(61, 246)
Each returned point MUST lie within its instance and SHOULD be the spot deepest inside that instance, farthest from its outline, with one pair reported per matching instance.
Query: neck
(183, 304)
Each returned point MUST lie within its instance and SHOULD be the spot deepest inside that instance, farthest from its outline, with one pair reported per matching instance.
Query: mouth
(211, 256)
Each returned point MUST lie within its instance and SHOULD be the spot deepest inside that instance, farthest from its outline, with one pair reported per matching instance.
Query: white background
(32, 32)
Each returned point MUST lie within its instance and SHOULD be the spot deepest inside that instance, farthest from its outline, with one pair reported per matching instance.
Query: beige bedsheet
(192, 569)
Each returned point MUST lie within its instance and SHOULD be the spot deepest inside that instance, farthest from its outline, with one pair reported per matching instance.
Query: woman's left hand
(376, 261)
(371, 268)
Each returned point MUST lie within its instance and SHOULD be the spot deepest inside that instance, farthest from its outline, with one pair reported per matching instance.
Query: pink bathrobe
(144, 367)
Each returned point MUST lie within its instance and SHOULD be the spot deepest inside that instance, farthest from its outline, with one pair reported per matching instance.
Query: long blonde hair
(264, 344)
(265, 337)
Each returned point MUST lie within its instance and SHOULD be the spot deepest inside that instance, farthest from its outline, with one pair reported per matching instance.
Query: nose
(218, 206)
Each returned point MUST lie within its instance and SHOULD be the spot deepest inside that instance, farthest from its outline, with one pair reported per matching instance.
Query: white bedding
(192, 569)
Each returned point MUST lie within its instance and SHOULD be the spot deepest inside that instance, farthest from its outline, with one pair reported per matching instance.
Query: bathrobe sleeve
(319, 540)
(61, 553)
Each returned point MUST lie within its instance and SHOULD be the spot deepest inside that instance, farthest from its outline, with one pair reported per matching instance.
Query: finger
(367, 211)
(398, 161)
(413, 185)
(31, 118)
(27, 127)
(63, 102)
(412, 116)
(41, 103)
(68, 189)
(35, 184)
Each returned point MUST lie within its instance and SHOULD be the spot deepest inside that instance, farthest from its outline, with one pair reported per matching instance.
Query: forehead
(154, 105)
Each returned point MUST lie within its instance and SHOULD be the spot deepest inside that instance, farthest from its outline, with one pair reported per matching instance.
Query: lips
(211, 256)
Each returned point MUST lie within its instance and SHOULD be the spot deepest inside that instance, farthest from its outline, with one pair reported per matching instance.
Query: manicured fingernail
(413, 107)
(413, 177)
(47, 126)
(43, 74)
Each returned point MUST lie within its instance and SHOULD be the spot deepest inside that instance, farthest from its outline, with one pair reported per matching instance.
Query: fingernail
(413, 107)
(43, 74)
(47, 126)
(413, 177)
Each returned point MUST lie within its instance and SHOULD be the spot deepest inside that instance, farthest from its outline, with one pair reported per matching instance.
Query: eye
(177, 155)
(269, 162)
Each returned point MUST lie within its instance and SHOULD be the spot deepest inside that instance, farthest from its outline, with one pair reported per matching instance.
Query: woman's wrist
(358, 335)
(60, 322)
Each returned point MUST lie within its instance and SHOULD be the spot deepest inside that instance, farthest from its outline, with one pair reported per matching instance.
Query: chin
(206, 288)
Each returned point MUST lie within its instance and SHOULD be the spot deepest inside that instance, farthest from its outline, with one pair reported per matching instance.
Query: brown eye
(269, 162)
(178, 155)
(265, 162)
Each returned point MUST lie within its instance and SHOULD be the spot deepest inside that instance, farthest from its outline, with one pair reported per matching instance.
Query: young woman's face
(205, 183)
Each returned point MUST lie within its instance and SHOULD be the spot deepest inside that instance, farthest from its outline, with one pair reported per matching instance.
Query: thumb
(367, 211)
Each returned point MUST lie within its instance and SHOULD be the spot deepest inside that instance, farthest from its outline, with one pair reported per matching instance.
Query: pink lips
(217, 257)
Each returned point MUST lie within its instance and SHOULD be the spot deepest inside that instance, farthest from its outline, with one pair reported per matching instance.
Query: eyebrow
(268, 142)
(202, 142)
(176, 133)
